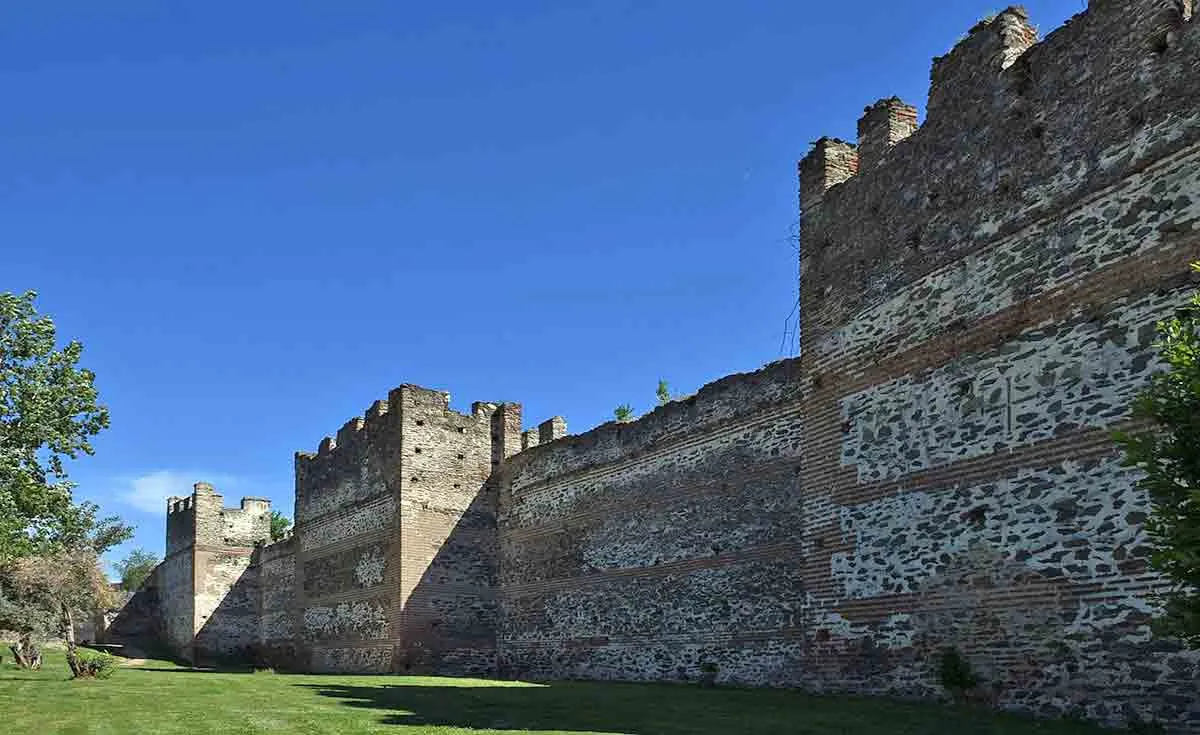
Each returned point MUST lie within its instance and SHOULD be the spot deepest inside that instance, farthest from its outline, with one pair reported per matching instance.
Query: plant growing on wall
(623, 413)
(663, 393)
(1168, 452)
(955, 673)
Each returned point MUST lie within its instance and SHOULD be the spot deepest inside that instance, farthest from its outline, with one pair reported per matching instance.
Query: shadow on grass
(665, 709)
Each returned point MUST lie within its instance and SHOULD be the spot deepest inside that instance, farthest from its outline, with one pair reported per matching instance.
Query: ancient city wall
(225, 590)
(448, 532)
(644, 550)
(276, 569)
(175, 580)
(978, 301)
(202, 600)
(347, 545)
(999, 274)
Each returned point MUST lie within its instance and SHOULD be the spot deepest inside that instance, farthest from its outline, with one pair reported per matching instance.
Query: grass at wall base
(156, 698)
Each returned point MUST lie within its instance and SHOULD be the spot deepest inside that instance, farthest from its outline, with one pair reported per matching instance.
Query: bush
(956, 674)
(96, 664)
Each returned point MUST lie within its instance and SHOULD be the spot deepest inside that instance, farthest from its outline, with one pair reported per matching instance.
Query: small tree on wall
(623, 413)
(663, 393)
(1168, 452)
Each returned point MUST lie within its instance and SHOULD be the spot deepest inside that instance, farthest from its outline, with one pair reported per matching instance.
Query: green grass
(157, 698)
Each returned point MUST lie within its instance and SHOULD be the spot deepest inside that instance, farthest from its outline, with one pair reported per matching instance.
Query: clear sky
(261, 216)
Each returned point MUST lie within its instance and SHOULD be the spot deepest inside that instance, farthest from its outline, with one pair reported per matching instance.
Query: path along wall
(978, 298)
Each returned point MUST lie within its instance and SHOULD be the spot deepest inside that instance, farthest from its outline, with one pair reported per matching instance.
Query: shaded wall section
(276, 567)
(395, 537)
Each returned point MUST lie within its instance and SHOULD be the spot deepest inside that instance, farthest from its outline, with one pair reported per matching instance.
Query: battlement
(714, 404)
(1015, 130)
(270, 550)
(179, 505)
(549, 430)
(415, 398)
(410, 421)
(202, 518)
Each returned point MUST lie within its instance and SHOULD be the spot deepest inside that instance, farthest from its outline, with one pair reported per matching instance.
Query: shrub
(955, 671)
(1168, 453)
(96, 664)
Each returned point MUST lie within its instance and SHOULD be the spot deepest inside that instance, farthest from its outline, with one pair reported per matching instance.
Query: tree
(279, 525)
(623, 413)
(55, 589)
(42, 595)
(135, 568)
(664, 393)
(1168, 453)
(48, 413)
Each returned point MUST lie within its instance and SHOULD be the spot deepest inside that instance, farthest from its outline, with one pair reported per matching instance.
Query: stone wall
(346, 545)
(448, 532)
(395, 536)
(646, 550)
(276, 567)
(174, 578)
(979, 297)
(979, 311)
(202, 601)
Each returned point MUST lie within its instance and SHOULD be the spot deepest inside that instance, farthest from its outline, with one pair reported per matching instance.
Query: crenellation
(830, 162)
(966, 84)
(552, 429)
(530, 439)
(883, 125)
(1072, 115)
(483, 409)
(377, 410)
(349, 431)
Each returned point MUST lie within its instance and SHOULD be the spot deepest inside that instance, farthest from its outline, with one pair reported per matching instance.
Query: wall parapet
(1015, 130)
(724, 400)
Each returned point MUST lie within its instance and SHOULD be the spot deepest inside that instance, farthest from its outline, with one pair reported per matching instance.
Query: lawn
(156, 698)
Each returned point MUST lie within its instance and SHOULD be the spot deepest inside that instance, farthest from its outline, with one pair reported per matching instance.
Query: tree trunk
(72, 653)
(26, 653)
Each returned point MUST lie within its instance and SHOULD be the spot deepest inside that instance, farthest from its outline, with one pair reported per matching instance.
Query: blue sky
(260, 217)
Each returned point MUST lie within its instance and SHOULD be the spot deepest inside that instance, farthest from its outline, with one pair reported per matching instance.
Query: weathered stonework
(979, 296)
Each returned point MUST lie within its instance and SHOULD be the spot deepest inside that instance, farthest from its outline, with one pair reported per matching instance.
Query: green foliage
(135, 568)
(279, 525)
(48, 413)
(1168, 452)
(623, 413)
(95, 664)
(663, 393)
(955, 671)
